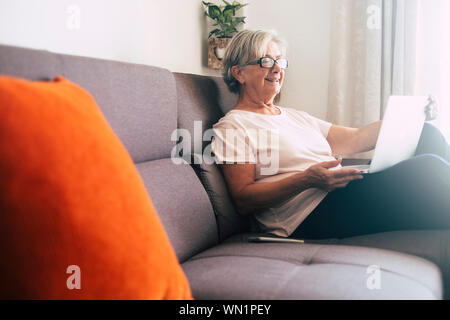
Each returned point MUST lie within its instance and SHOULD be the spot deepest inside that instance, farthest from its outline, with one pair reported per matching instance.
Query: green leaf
(221, 19)
(222, 26)
(222, 34)
(214, 12)
(228, 11)
(224, 16)
(240, 6)
(215, 31)
(238, 20)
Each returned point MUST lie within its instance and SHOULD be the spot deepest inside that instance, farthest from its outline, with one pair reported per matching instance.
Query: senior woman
(303, 198)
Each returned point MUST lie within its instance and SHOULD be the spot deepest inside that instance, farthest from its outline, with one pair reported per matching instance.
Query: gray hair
(247, 45)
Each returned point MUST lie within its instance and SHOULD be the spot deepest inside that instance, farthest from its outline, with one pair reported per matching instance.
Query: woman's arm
(249, 196)
(344, 140)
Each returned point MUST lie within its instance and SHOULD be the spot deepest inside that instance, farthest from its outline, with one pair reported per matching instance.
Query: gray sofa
(144, 105)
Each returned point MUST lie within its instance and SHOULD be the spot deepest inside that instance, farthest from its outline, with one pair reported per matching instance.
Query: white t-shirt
(279, 146)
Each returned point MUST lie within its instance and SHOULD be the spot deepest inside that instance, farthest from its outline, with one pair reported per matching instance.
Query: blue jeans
(412, 195)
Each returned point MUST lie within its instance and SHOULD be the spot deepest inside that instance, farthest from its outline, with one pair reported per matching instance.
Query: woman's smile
(274, 81)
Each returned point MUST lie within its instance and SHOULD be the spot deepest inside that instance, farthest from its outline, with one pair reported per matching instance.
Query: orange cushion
(70, 195)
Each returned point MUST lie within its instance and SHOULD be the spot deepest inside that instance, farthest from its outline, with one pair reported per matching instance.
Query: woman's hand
(319, 176)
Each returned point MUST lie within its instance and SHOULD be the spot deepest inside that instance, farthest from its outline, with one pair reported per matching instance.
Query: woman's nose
(276, 68)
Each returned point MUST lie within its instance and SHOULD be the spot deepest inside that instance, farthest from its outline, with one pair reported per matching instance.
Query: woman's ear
(236, 71)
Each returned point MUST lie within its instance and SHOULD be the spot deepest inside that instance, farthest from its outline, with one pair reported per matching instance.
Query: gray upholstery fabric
(201, 98)
(138, 101)
(182, 205)
(433, 245)
(144, 105)
(29, 63)
(206, 99)
(229, 222)
(235, 270)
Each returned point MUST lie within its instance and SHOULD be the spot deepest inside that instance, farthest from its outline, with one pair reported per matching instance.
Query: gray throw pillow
(229, 220)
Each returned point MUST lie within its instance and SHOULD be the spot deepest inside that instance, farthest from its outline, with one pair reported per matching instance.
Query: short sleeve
(321, 125)
(230, 144)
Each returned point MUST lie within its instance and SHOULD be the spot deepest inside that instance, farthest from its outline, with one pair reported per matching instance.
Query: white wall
(169, 34)
(173, 34)
(305, 24)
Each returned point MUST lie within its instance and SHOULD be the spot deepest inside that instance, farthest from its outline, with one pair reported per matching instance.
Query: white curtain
(354, 93)
(399, 54)
(433, 57)
(385, 47)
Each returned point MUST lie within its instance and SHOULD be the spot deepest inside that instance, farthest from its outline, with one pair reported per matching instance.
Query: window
(433, 56)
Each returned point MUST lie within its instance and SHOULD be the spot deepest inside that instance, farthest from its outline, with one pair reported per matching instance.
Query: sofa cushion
(240, 270)
(433, 245)
(203, 99)
(71, 201)
(183, 205)
(229, 221)
(29, 63)
(138, 101)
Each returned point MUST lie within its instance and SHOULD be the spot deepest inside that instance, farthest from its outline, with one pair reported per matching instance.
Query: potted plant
(226, 24)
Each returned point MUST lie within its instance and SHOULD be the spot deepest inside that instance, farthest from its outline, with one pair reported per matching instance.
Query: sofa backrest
(202, 101)
(142, 106)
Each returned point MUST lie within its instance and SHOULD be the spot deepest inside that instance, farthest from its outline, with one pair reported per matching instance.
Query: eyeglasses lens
(269, 63)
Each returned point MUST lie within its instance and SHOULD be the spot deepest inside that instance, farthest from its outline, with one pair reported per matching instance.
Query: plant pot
(216, 52)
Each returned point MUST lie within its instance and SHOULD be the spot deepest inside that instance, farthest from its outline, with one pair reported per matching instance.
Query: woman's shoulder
(300, 114)
(229, 120)
(295, 112)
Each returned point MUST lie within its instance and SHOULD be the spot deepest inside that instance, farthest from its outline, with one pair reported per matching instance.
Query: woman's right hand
(319, 176)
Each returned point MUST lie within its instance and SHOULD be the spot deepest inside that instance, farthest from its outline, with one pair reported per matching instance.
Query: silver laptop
(399, 134)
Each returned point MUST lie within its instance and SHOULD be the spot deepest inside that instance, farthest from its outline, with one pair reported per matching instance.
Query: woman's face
(261, 82)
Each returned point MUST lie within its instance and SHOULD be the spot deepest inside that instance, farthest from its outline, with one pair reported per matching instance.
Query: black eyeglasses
(268, 62)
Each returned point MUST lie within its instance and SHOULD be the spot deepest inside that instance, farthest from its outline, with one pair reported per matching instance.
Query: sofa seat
(145, 105)
(432, 245)
(236, 269)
